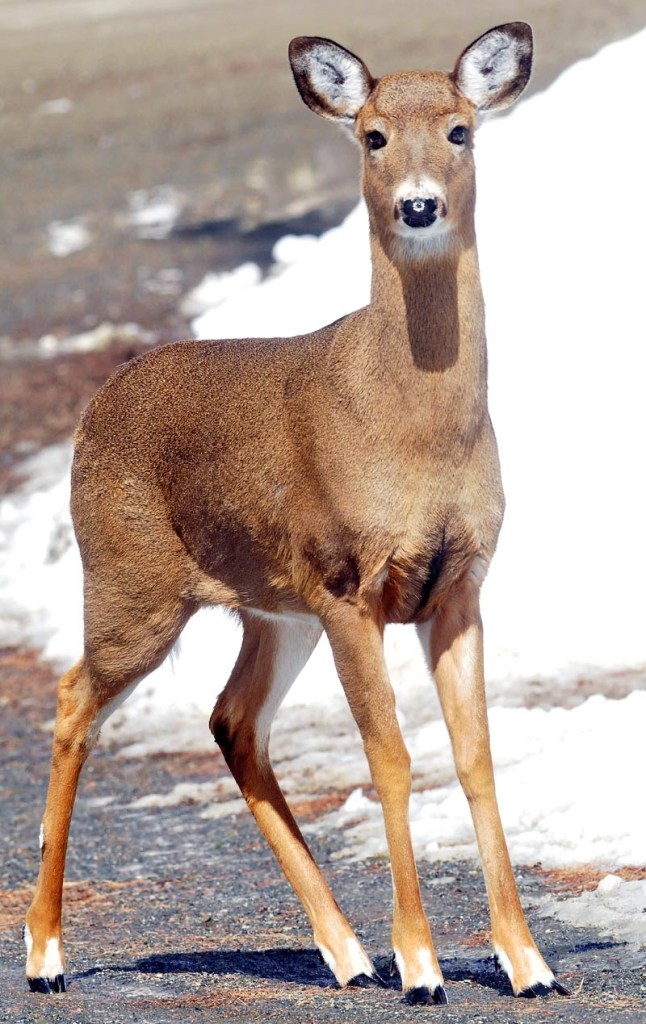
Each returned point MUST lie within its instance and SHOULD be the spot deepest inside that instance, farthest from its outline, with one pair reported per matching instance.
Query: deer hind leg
(357, 645)
(131, 636)
(453, 646)
(78, 709)
(272, 655)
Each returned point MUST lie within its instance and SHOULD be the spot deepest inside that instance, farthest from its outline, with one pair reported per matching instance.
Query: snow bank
(40, 571)
(615, 908)
(566, 782)
(560, 242)
(319, 280)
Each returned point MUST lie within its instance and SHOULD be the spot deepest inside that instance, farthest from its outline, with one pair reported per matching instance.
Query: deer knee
(235, 735)
(475, 772)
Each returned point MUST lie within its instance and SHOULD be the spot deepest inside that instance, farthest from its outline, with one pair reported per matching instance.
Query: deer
(337, 481)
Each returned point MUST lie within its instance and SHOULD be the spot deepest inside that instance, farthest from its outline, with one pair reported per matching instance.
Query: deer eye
(458, 135)
(375, 140)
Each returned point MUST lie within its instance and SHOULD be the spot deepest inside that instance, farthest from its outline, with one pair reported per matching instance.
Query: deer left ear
(495, 69)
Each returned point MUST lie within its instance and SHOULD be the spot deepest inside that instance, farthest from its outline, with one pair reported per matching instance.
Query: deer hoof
(47, 985)
(532, 991)
(424, 996)
(367, 981)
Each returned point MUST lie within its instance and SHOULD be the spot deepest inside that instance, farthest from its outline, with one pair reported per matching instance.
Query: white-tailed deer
(337, 481)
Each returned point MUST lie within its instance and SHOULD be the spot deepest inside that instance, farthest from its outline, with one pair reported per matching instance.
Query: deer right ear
(332, 81)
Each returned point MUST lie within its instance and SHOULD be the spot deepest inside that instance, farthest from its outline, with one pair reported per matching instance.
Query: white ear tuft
(495, 69)
(332, 81)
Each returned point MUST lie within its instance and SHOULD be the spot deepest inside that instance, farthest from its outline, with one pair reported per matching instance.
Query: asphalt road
(171, 917)
(103, 100)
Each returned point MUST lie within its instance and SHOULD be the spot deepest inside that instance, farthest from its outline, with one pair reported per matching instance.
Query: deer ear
(332, 81)
(495, 69)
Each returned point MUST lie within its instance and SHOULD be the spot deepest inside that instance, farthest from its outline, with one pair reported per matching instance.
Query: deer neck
(430, 308)
(423, 338)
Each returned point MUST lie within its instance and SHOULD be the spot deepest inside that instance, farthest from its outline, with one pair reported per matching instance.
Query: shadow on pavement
(304, 967)
(300, 967)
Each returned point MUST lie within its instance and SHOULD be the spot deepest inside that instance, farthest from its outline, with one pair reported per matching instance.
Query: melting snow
(62, 105)
(615, 908)
(67, 236)
(216, 288)
(154, 211)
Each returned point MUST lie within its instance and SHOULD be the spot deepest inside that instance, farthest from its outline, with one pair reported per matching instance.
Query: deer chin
(417, 242)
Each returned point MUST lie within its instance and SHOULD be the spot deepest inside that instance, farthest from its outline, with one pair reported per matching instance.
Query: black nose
(418, 212)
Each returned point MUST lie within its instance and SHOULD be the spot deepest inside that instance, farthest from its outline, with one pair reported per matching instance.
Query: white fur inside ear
(339, 78)
(490, 65)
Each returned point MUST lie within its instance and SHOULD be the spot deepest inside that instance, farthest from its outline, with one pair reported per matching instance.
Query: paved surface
(170, 917)
(197, 95)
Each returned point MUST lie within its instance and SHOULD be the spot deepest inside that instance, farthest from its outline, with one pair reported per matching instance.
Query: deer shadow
(300, 966)
(293, 966)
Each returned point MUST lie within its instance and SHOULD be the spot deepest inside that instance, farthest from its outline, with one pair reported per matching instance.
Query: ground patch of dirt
(572, 881)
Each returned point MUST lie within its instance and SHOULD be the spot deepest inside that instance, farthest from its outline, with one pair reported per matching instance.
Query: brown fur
(344, 479)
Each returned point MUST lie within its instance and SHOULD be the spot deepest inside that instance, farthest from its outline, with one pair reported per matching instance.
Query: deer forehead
(409, 97)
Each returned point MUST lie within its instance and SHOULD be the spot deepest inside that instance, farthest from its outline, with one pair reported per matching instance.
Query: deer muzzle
(418, 212)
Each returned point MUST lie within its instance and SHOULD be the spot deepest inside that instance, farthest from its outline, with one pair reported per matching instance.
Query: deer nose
(419, 212)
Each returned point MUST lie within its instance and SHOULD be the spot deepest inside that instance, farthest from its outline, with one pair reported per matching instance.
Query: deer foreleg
(357, 645)
(455, 652)
(272, 655)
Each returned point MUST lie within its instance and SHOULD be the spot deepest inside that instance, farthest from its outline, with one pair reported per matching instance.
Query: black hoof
(532, 991)
(48, 985)
(561, 989)
(367, 981)
(424, 996)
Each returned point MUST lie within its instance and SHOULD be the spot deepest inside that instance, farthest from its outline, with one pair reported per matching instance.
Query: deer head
(416, 128)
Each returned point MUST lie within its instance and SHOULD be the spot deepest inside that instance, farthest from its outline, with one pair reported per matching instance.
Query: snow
(216, 288)
(322, 280)
(616, 908)
(67, 236)
(153, 212)
(100, 337)
(560, 234)
(561, 778)
(62, 105)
